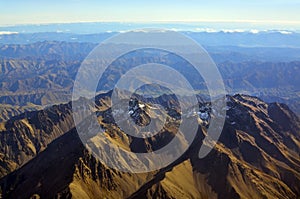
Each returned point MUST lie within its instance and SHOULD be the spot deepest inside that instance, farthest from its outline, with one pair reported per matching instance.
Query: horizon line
(278, 22)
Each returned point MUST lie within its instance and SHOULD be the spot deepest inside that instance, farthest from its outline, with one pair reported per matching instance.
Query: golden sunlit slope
(257, 156)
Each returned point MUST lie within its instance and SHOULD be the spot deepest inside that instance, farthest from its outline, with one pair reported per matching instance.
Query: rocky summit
(257, 155)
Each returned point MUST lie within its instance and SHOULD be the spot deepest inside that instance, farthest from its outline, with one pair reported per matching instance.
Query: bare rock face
(26, 135)
(257, 156)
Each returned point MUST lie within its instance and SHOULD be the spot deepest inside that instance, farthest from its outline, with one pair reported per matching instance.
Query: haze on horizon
(284, 12)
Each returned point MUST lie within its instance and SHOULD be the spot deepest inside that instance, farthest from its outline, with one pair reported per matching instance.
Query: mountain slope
(257, 156)
(26, 135)
(43, 73)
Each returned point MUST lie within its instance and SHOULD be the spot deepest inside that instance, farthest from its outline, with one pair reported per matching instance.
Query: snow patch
(8, 33)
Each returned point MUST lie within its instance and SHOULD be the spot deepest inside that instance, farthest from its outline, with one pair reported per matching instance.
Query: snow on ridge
(212, 30)
(8, 33)
(193, 30)
(285, 32)
(252, 31)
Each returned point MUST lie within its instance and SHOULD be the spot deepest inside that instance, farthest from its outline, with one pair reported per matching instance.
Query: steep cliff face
(67, 169)
(26, 135)
(257, 156)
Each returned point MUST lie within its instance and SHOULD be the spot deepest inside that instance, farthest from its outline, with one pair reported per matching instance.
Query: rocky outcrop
(257, 156)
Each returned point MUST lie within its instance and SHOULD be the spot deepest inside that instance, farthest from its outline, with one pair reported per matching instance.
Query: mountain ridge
(257, 156)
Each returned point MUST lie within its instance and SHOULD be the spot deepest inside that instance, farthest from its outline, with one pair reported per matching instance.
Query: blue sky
(64, 11)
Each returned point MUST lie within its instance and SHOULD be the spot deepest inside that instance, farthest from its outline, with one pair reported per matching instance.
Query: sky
(15, 12)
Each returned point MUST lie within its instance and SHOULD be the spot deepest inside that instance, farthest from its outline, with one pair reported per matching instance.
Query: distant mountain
(43, 73)
(273, 82)
(246, 39)
(47, 50)
(42, 156)
(38, 74)
(268, 38)
(257, 156)
(40, 67)
(239, 54)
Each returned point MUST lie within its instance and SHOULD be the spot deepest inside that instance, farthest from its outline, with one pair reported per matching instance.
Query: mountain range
(43, 154)
(257, 156)
(35, 75)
